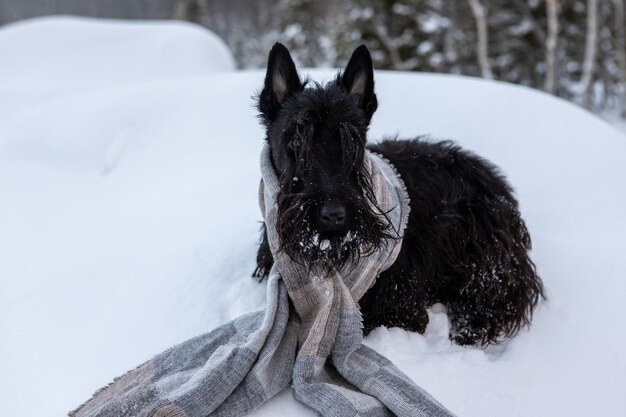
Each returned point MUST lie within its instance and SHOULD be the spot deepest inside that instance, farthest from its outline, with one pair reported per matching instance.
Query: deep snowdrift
(128, 223)
(42, 57)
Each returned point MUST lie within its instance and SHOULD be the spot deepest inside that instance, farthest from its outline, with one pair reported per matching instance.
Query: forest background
(575, 49)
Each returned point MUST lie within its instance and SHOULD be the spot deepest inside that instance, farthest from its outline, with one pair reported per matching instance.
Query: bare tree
(591, 51)
(380, 31)
(620, 44)
(191, 11)
(482, 47)
(552, 9)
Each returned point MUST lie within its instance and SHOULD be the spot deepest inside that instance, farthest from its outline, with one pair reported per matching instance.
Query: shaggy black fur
(465, 246)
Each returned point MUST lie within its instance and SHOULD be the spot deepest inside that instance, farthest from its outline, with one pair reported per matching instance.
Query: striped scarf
(309, 335)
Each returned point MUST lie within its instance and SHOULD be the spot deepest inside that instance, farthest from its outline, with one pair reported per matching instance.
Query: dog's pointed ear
(281, 80)
(358, 80)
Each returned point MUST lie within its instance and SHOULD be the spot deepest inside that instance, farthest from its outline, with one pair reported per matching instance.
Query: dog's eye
(294, 144)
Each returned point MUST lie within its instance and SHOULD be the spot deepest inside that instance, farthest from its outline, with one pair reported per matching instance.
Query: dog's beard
(367, 226)
(367, 231)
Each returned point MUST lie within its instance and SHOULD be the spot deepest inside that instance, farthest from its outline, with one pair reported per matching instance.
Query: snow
(129, 219)
(47, 56)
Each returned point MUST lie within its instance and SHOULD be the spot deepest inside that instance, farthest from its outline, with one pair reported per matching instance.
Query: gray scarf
(309, 335)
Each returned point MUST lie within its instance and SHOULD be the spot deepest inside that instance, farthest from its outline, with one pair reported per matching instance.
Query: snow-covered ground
(129, 220)
(612, 116)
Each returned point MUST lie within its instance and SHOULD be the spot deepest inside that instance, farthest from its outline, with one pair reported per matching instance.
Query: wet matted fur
(466, 245)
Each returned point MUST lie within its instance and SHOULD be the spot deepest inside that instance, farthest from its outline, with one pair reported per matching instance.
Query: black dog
(465, 246)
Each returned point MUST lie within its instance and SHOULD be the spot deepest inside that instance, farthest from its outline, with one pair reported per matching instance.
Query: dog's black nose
(333, 214)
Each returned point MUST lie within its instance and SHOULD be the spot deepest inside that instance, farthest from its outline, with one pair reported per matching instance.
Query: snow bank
(129, 223)
(44, 56)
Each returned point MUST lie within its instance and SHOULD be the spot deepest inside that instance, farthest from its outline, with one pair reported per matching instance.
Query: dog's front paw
(260, 273)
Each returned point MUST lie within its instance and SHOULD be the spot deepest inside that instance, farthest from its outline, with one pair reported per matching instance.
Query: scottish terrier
(465, 244)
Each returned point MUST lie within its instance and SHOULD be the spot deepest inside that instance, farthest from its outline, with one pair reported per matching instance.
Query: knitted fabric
(309, 336)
